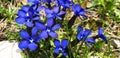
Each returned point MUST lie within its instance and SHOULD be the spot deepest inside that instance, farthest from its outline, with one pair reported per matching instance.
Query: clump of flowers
(44, 26)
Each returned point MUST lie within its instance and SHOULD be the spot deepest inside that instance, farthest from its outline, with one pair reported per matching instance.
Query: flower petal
(50, 22)
(104, 38)
(23, 44)
(34, 31)
(41, 8)
(80, 28)
(29, 24)
(44, 34)
(37, 39)
(21, 13)
(36, 18)
(77, 7)
(80, 35)
(61, 13)
(56, 9)
(25, 8)
(64, 43)
(53, 34)
(48, 11)
(24, 34)
(58, 17)
(49, 16)
(90, 40)
(20, 20)
(56, 50)
(56, 27)
(82, 12)
(57, 43)
(32, 46)
(100, 31)
(40, 26)
(87, 33)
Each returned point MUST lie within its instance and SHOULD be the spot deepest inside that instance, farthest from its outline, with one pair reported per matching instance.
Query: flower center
(48, 30)
(61, 50)
(31, 40)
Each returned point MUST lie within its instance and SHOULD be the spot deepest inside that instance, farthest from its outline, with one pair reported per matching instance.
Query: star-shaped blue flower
(61, 47)
(83, 35)
(27, 15)
(48, 29)
(55, 13)
(78, 10)
(101, 35)
(29, 41)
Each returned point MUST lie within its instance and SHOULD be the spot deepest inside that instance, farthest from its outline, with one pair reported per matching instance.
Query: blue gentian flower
(27, 15)
(48, 29)
(83, 34)
(54, 13)
(101, 35)
(78, 10)
(61, 47)
(29, 41)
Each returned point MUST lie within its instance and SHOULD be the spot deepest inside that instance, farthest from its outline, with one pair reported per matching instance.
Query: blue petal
(87, 32)
(53, 34)
(104, 37)
(73, 8)
(56, 27)
(100, 31)
(64, 43)
(25, 8)
(21, 13)
(24, 34)
(36, 18)
(49, 16)
(80, 35)
(32, 46)
(44, 34)
(77, 7)
(59, 18)
(20, 20)
(29, 24)
(56, 50)
(40, 26)
(41, 8)
(56, 9)
(82, 12)
(80, 28)
(31, 12)
(37, 39)
(34, 31)
(61, 13)
(33, 7)
(57, 43)
(48, 11)
(50, 22)
(90, 40)
(23, 44)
